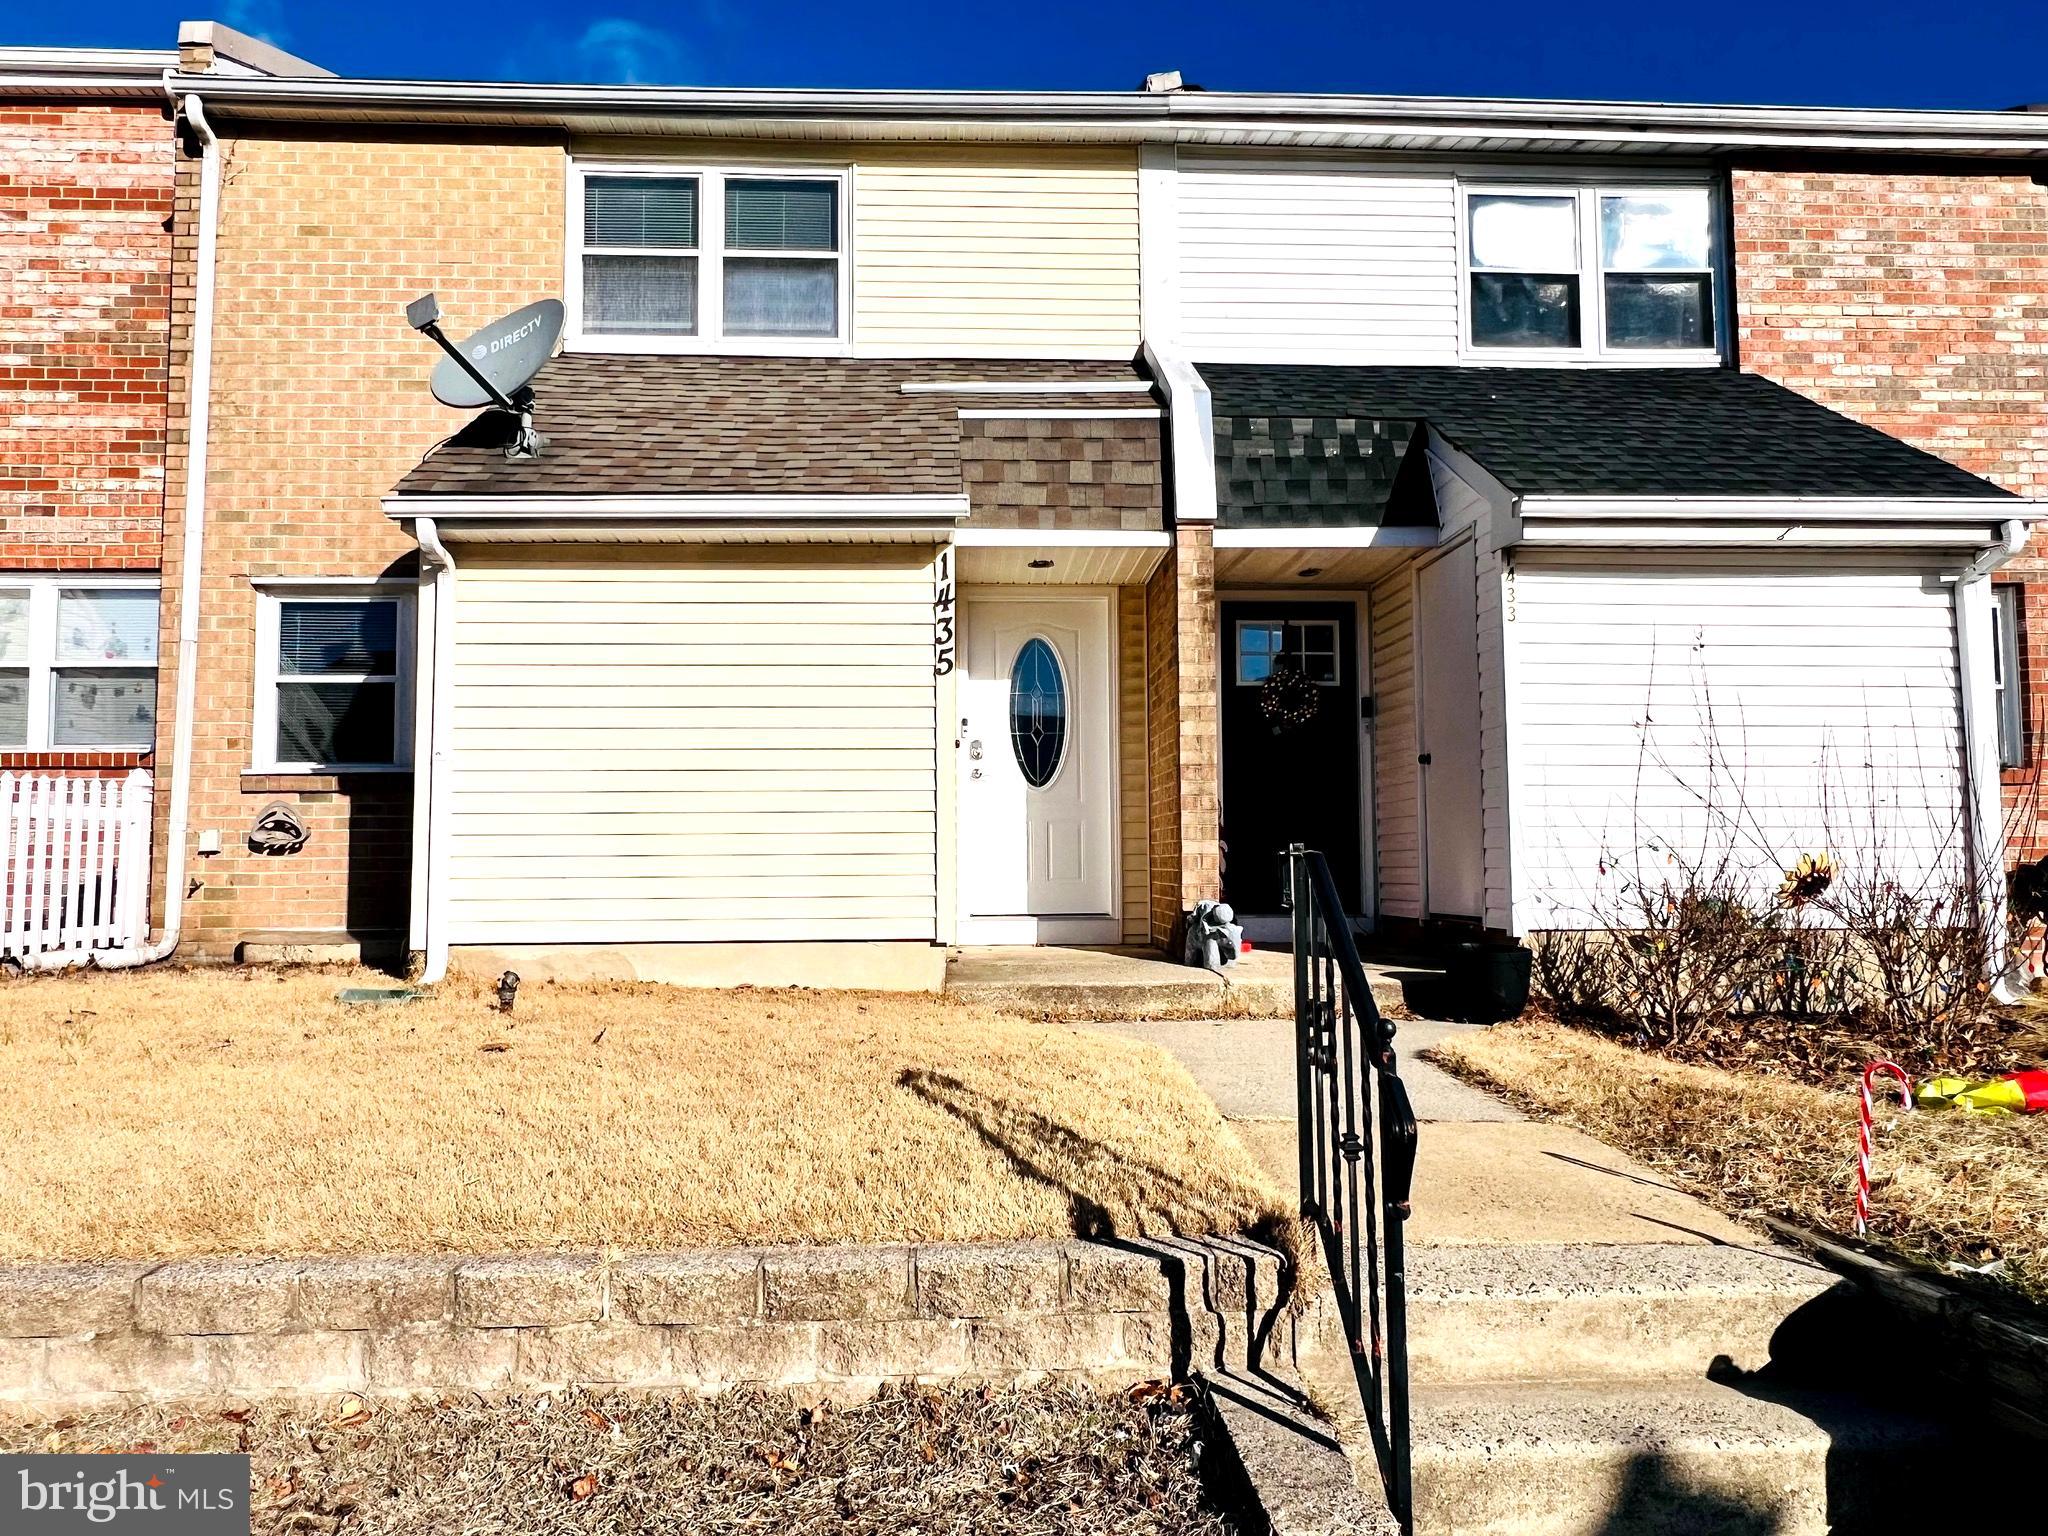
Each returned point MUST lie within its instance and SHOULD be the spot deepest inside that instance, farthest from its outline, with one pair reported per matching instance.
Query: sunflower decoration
(1287, 699)
(1806, 881)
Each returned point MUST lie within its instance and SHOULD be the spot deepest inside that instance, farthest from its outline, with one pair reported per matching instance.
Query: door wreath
(1287, 699)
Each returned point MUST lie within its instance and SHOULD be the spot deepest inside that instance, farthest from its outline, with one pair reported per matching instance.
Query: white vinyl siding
(1832, 696)
(727, 746)
(1397, 789)
(1317, 262)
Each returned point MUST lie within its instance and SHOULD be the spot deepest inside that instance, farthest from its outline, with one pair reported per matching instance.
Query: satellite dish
(507, 352)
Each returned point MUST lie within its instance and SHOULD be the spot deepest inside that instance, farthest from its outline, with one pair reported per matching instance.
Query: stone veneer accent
(842, 1319)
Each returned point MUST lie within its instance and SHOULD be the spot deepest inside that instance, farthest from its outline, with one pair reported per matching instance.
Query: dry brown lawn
(1947, 1187)
(165, 1114)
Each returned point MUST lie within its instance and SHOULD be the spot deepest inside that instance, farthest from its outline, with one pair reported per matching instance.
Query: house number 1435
(942, 614)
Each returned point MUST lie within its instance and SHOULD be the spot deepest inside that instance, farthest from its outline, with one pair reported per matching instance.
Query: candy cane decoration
(1871, 1073)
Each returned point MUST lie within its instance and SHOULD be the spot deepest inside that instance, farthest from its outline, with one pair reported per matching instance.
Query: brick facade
(320, 404)
(85, 196)
(1918, 304)
(1185, 745)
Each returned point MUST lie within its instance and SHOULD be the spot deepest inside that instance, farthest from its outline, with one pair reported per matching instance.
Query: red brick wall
(85, 279)
(1918, 304)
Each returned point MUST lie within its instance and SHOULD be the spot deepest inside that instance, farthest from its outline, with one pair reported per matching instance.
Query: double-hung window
(1600, 272)
(77, 663)
(334, 680)
(2007, 676)
(709, 260)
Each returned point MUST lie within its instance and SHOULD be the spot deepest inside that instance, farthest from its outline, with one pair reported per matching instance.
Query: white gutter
(1716, 509)
(571, 508)
(1191, 432)
(192, 557)
(430, 798)
(1183, 116)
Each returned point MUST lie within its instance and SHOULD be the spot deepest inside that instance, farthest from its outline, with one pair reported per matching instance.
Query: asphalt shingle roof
(1564, 432)
(698, 426)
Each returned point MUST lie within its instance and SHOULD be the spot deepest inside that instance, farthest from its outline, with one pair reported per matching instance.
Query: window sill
(1565, 357)
(721, 346)
(18, 759)
(263, 781)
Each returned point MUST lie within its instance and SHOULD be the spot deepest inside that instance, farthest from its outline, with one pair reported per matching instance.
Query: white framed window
(1615, 273)
(700, 259)
(2008, 676)
(333, 679)
(78, 662)
(1309, 644)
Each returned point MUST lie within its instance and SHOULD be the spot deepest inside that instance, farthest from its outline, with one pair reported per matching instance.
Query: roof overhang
(1248, 119)
(938, 512)
(1966, 523)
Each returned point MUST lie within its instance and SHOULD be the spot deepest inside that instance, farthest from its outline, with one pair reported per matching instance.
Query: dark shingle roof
(698, 426)
(1288, 470)
(1598, 431)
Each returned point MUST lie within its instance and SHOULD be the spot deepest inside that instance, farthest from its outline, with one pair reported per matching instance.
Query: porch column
(1180, 615)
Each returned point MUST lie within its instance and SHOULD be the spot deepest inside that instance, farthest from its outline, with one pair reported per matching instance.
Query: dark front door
(1290, 745)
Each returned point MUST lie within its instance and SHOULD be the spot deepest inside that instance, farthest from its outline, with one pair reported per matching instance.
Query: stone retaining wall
(846, 1319)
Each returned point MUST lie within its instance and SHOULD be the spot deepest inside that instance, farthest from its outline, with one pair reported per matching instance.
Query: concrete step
(1674, 1459)
(1592, 1312)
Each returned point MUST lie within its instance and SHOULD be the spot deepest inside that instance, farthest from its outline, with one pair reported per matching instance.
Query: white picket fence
(74, 864)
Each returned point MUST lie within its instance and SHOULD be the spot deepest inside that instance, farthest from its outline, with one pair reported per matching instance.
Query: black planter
(1491, 981)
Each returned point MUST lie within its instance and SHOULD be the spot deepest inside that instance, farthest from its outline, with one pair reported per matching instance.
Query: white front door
(1037, 769)
(1447, 677)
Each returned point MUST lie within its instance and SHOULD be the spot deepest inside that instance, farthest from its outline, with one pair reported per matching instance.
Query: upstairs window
(78, 665)
(1592, 272)
(706, 260)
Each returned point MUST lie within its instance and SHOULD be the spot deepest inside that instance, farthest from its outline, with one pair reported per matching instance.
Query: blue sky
(1979, 53)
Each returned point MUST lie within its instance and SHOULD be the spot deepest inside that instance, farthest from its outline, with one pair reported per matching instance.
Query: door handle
(1422, 758)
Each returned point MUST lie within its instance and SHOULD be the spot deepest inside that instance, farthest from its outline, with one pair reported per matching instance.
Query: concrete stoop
(1606, 1390)
(1691, 1458)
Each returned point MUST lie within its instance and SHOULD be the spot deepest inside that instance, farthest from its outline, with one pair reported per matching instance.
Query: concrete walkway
(1132, 983)
(1485, 1174)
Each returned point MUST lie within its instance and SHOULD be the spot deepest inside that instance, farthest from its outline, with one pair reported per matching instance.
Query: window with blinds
(782, 258)
(639, 255)
(336, 674)
(705, 255)
(78, 665)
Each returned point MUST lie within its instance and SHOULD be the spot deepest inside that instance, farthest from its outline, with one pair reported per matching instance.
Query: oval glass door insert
(1038, 712)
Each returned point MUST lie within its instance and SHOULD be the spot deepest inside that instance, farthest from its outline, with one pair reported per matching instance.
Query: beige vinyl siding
(983, 251)
(969, 249)
(732, 744)
(1397, 819)
(1829, 697)
(1133, 828)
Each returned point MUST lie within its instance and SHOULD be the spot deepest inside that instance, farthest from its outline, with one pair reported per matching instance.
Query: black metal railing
(1358, 1139)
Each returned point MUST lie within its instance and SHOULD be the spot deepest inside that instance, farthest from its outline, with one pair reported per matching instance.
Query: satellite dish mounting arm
(424, 314)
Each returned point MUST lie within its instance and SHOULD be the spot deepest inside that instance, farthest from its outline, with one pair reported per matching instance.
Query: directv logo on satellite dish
(496, 366)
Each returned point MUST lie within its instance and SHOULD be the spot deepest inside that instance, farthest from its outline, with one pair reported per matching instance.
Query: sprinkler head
(508, 989)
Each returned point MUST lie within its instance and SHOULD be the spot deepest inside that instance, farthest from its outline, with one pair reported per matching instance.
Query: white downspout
(1986, 816)
(440, 715)
(193, 554)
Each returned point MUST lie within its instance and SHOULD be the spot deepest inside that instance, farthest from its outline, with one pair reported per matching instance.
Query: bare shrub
(1571, 967)
(1869, 900)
